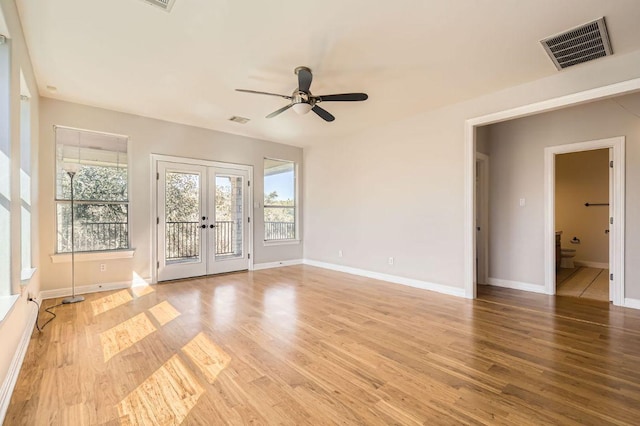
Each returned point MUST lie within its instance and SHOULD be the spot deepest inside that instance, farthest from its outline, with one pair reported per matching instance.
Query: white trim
(268, 243)
(16, 363)
(516, 285)
(93, 288)
(590, 264)
(632, 303)
(424, 285)
(509, 114)
(617, 211)
(280, 264)
(26, 274)
(94, 255)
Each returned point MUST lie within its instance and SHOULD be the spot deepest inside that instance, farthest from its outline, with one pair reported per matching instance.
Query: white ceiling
(408, 55)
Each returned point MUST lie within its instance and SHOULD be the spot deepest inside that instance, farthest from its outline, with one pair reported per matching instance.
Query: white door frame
(155, 158)
(617, 209)
(470, 125)
(482, 163)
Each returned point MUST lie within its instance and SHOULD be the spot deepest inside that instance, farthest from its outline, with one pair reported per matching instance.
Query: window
(25, 176)
(5, 171)
(100, 191)
(280, 210)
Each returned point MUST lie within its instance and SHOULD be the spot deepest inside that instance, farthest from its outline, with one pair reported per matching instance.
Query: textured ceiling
(408, 55)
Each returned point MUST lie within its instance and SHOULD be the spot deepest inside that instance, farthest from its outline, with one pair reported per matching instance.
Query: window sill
(6, 305)
(26, 275)
(94, 255)
(280, 242)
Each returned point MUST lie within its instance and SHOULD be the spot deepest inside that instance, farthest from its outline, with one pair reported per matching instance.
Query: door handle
(203, 226)
(212, 226)
(606, 231)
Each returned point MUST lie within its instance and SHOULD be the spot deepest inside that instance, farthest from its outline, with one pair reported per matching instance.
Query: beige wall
(17, 322)
(147, 136)
(398, 190)
(517, 168)
(583, 177)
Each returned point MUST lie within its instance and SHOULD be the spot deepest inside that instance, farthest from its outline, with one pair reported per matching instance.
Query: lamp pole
(71, 171)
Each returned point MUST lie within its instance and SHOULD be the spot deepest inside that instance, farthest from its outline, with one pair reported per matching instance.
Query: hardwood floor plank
(301, 345)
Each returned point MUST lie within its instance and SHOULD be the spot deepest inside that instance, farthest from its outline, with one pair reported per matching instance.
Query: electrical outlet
(339, 253)
(391, 261)
(103, 267)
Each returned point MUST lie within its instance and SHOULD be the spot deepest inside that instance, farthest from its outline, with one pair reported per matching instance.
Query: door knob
(203, 226)
(212, 226)
(606, 231)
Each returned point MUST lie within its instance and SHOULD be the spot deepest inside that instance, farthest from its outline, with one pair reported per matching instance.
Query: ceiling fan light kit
(302, 100)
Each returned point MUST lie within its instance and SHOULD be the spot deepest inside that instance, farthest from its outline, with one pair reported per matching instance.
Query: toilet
(566, 258)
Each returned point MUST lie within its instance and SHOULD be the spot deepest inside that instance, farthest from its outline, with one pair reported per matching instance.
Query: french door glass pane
(182, 217)
(229, 216)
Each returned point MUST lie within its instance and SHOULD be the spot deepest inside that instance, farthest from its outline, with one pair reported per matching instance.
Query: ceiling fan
(302, 101)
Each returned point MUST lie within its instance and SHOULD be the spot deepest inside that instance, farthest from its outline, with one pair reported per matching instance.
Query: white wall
(18, 322)
(147, 136)
(517, 168)
(397, 190)
(583, 177)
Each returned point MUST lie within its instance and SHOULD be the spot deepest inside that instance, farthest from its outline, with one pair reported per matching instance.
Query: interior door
(228, 221)
(181, 218)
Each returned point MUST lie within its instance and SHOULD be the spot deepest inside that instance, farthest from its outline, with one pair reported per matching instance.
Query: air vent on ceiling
(241, 120)
(162, 4)
(581, 44)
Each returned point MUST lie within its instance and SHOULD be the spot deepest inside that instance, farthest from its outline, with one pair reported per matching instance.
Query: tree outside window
(280, 210)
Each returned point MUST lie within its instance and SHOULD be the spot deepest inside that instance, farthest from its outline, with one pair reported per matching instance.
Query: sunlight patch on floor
(125, 335)
(142, 290)
(207, 356)
(111, 301)
(164, 312)
(164, 398)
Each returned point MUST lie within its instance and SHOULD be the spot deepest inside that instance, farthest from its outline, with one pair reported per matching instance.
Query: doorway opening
(612, 156)
(582, 211)
(202, 218)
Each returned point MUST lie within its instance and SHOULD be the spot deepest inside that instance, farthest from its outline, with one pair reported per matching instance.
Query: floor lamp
(72, 169)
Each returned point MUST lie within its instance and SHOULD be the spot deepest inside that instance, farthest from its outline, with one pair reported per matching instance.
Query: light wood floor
(590, 283)
(301, 345)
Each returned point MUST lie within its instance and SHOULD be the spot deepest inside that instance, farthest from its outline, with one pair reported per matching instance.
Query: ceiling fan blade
(280, 111)
(304, 79)
(264, 93)
(343, 97)
(323, 113)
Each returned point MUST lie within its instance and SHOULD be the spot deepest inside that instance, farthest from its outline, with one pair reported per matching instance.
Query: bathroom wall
(583, 177)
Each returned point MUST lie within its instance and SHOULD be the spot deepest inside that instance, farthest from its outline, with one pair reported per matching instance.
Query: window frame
(88, 255)
(296, 208)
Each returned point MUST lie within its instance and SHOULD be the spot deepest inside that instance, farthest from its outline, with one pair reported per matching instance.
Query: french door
(202, 219)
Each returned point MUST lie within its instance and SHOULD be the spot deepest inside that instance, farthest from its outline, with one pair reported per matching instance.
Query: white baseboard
(16, 363)
(517, 285)
(424, 285)
(93, 288)
(632, 303)
(589, 264)
(279, 264)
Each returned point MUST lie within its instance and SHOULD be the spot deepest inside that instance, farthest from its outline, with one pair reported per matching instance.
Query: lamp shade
(71, 167)
(302, 108)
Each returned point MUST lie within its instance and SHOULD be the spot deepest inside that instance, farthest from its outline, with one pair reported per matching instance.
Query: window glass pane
(96, 227)
(229, 216)
(279, 200)
(182, 217)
